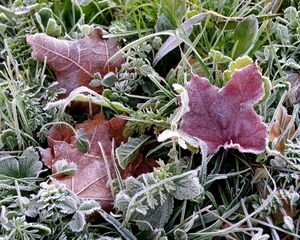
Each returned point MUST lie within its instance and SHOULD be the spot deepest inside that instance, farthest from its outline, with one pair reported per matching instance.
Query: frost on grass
(225, 117)
(148, 199)
(75, 62)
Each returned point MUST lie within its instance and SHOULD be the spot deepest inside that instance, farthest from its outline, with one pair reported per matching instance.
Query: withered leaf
(90, 180)
(225, 117)
(61, 133)
(283, 121)
(289, 209)
(75, 62)
(294, 80)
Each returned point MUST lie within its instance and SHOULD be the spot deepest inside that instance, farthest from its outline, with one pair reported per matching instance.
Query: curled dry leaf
(75, 62)
(63, 133)
(290, 210)
(280, 126)
(225, 117)
(294, 80)
(90, 180)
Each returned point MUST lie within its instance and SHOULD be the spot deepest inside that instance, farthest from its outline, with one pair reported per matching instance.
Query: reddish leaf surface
(139, 166)
(225, 117)
(75, 62)
(62, 133)
(91, 178)
(283, 121)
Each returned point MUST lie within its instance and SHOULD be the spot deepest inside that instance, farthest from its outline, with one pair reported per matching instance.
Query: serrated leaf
(65, 168)
(133, 185)
(122, 200)
(9, 166)
(245, 34)
(67, 205)
(188, 187)
(156, 217)
(89, 206)
(127, 152)
(28, 165)
(155, 210)
(78, 222)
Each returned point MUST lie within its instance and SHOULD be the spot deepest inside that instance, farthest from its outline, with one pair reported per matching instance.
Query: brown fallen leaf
(291, 211)
(294, 94)
(59, 133)
(75, 62)
(279, 126)
(90, 180)
(197, 69)
(138, 167)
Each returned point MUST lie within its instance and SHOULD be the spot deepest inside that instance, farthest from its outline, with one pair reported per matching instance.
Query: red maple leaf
(225, 117)
(90, 180)
(75, 62)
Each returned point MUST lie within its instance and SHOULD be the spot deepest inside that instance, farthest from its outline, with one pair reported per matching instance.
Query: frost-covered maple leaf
(90, 180)
(75, 62)
(225, 117)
